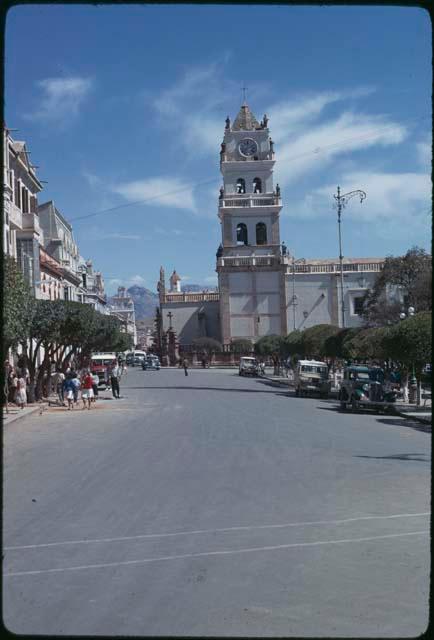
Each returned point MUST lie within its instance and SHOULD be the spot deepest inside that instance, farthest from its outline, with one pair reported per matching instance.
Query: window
(241, 185)
(25, 199)
(84, 276)
(66, 293)
(261, 233)
(242, 234)
(257, 185)
(17, 194)
(358, 306)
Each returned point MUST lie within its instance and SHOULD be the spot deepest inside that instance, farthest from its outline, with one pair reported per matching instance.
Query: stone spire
(245, 120)
(175, 282)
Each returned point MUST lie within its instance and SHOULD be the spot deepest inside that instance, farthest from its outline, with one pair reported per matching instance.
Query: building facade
(22, 232)
(122, 307)
(91, 289)
(262, 289)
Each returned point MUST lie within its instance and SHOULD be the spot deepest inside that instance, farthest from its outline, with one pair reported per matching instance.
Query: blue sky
(120, 104)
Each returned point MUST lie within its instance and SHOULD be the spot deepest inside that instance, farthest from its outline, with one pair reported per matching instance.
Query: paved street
(215, 505)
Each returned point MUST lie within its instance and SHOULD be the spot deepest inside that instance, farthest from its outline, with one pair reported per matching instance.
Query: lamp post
(341, 202)
(413, 382)
(294, 297)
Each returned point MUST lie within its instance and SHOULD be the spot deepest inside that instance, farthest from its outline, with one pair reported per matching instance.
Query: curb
(409, 416)
(20, 416)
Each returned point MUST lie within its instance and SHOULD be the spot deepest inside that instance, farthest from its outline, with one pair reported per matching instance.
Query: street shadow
(413, 457)
(189, 388)
(406, 422)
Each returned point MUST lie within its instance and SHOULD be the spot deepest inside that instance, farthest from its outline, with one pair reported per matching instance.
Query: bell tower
(251, 270)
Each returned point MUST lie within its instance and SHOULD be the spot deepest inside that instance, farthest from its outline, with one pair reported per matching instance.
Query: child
(68, 388)
(86, 389)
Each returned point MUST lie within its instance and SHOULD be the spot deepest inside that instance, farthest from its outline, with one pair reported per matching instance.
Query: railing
(251, 201)
(199, 296)
(335, 268)
(248, 261)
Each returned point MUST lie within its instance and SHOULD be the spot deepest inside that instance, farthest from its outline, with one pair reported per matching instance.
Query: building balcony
(250, 200)
(335, 267)
(14, 214)
(249, 261)
(31, 223)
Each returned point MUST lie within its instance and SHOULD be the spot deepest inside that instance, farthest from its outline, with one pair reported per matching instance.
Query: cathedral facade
(262, 289)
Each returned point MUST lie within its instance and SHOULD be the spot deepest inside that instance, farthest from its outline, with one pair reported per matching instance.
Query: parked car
(248, 366)
(135, 358)
(311, 377)
(364, 387)
(151, 362)
(99, 362)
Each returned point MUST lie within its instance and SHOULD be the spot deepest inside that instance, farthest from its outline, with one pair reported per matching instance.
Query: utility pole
(341, 201)
(294, 297)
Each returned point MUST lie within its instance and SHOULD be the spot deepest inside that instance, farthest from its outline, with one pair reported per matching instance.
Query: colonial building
(122, 307)
(22, 232)
(262, 289)
(91, 289)
(60, 244)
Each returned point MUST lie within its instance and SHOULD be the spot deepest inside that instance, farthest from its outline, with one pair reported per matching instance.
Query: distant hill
(145, 301)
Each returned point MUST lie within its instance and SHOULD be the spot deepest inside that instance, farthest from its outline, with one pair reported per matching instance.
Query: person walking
(86, 388)
(21, 395)
(95, 384)
(114, 380)
(107, 377)
(185, 366)
(75, 385)
(68, 388)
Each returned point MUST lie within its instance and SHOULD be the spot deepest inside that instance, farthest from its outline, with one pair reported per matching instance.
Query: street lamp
(341, 202)
(413, 382)
(294, 297)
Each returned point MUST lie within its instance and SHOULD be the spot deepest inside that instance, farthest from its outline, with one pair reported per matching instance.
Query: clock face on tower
(247, 147)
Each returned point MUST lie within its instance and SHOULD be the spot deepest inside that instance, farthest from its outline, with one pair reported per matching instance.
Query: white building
(262, 289)
(122, 307)
(60, 244)
(91, 290)
(22, 233)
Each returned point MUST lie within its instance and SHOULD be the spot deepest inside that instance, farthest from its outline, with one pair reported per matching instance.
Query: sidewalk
(15, 413)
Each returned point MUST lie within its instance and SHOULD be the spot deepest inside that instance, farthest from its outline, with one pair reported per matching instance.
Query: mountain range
(146, 301)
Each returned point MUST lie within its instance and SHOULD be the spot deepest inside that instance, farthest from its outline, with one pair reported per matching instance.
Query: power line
(211, 180)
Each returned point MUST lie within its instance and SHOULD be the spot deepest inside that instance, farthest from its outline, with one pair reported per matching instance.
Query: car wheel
(297, 392)
(343, 405)
(353, 404)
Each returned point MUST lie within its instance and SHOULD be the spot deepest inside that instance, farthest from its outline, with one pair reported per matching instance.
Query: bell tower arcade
(251, 270)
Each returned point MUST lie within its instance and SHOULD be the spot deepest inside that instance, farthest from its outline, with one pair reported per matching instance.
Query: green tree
(366, 344)
(241, 345)
(268, 345)
(410, 341)
(18, 304)
(292, 344)
(313, 339)
(404, 280)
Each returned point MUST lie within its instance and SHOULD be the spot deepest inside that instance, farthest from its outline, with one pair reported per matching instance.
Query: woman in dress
(21, 395)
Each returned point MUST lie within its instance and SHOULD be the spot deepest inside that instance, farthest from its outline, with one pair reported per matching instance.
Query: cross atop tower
(244, 89)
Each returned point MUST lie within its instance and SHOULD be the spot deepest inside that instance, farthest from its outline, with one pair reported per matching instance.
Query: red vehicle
(99, 362)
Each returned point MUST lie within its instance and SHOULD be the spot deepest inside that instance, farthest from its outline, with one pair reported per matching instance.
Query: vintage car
(151, 362)
(99, 363)
(311, 377)
(364, 387)
(248, 366)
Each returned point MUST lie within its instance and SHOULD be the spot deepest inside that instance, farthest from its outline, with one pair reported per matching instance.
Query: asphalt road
(215, 505)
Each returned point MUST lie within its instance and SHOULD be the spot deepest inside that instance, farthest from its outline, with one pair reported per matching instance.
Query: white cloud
(137, 279)
(92, 179)
(62, 98)
(401, 198)
(160, 191)
(123, 236)
(316, 147)
(424, 152)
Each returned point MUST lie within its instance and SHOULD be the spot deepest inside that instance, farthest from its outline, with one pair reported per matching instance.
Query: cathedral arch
(261, 233)
(242, 237)
(241, 185)
(257, 185)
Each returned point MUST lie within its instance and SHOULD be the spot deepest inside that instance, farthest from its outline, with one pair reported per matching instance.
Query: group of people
(68, 386)
(16, 380)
